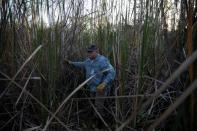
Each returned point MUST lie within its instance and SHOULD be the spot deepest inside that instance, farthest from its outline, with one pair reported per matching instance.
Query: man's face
(92, 55)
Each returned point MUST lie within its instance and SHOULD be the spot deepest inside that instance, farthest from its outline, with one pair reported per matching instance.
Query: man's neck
(94, 57)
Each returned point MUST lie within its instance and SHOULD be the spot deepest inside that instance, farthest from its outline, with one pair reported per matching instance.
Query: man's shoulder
(102, 58)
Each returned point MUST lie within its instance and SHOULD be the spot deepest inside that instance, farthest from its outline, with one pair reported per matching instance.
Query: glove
(101, 87)
(67, 61)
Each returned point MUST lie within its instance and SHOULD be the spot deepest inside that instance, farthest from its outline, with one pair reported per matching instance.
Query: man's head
(92, 51)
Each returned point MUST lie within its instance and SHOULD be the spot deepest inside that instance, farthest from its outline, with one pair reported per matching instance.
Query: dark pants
(99, 103)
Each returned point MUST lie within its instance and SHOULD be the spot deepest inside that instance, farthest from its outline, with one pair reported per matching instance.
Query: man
(94, 65)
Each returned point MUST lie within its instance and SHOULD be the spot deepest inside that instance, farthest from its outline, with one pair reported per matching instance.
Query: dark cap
(91, 48)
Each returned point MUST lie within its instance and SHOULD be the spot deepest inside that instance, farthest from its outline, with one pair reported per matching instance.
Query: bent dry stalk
(20, 69)
(180, 70)
(71, 94)
(174, 105)
(34, 98)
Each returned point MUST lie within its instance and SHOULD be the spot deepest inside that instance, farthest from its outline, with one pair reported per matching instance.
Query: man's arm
(110, 75)
(78, 64)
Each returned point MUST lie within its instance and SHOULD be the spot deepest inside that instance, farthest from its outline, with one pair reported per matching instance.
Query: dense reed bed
(150, 43)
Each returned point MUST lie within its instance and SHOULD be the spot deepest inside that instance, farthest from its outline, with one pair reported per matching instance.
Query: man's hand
(67, 61)
(100, 88)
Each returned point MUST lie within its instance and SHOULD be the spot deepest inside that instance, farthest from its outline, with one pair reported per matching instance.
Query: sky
(114, 9)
